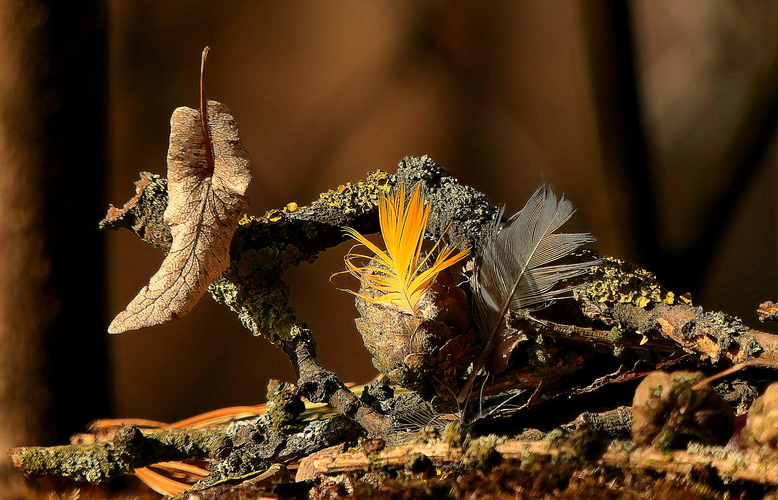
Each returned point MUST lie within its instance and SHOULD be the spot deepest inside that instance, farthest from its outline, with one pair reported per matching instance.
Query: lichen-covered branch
(265, 247)
(241, 448)
(626, 307)
(636, 307)
(129, 449)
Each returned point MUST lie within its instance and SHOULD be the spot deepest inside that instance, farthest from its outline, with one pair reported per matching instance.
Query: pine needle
(402, 273)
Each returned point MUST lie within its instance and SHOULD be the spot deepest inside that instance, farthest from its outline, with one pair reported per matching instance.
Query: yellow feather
(399, 274)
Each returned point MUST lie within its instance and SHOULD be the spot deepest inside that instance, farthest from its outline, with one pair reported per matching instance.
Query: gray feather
(515, 269)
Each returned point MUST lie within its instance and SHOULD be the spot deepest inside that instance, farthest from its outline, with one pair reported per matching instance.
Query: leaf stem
(204, 112)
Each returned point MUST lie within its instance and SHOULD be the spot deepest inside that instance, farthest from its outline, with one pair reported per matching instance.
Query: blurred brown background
(657, 118)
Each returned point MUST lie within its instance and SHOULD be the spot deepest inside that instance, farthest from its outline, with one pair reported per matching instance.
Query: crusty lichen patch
(265, 247)
(615, 280)
(143, 213)
(130, 448)
(276, 214)
(262, 306)
(360, 197)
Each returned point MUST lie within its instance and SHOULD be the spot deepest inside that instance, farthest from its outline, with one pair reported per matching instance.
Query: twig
(631, 301)
(525, 322)
(237, 449)
(129, 449)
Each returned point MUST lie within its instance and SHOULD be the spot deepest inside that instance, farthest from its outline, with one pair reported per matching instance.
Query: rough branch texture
(629, 299)
(240, 448)
(129, 449)
(620, 455)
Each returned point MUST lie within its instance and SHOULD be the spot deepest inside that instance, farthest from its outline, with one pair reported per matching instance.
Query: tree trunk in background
(53, 376)
(73, 200)
(24, 307)
(625, 157)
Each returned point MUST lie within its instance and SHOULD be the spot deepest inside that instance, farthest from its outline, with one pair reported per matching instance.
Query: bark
(750, 466)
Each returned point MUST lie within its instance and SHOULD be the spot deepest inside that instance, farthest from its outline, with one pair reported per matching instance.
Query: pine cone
(668, 412)
(424, 352)
(761, 427)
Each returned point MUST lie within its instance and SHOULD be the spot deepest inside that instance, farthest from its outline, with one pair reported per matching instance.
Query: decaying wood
(755, 467)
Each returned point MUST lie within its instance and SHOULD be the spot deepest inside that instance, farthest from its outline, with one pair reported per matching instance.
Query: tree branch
(129, 449)
(265, 247)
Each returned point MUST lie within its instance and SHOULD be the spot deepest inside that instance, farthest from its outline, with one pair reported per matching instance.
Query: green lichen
(265, 247)
(130, 449)
(617, 281)
(198, 443)
(262, 305)
(90, 463)
(284, 405)
(144, 213)
(462, 213)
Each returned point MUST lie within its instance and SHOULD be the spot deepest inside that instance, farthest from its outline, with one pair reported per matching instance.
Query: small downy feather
(515, 270)
(405, 274)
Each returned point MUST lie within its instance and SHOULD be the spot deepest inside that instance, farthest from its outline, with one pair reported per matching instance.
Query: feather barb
(517, 270)
(401, 272)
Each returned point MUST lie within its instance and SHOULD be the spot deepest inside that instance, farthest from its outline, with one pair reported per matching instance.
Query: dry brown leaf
(207, 178)
(205, 203)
